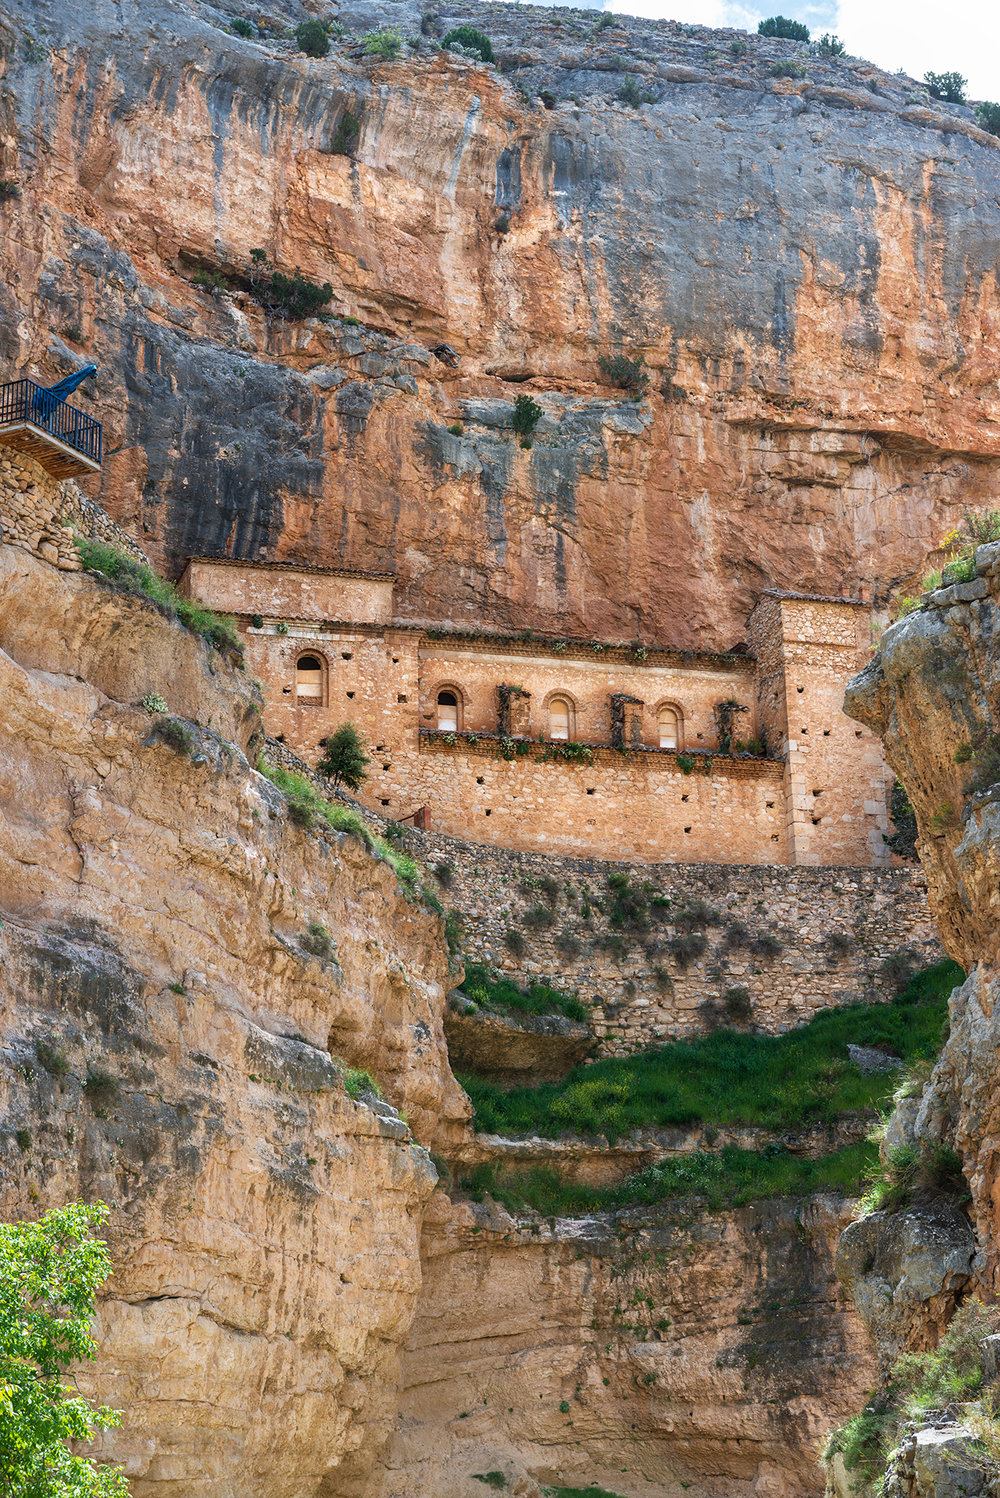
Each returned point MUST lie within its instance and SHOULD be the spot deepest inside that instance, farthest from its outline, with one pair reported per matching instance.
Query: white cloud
(922, 35)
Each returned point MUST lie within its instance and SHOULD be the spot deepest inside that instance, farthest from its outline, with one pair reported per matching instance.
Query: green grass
(136, 578)
(306, 806)
(728, 1077)
(729, 1177)
(506, 996)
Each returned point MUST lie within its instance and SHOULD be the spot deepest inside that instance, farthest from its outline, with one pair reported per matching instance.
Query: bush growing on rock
(472, 40)
(385, 43)
(311, 38)
(527, 414)
(781, 26)
(50, 1272)
(947, 86)
(787, 70)
(830, 46)
(988, 117)
(243, 27)
(131, 576)
(624, 373)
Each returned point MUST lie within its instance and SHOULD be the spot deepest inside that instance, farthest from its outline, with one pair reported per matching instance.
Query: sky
(916, 35)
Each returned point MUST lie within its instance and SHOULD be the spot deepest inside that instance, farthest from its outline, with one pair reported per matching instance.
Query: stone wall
(39, 513)
(829, 931)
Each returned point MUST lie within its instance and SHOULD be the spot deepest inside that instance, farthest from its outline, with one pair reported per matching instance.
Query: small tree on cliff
(49, 1274)
(791, 31)
(344, 759)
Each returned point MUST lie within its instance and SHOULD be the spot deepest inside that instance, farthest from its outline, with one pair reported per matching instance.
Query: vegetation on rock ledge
(131, 576)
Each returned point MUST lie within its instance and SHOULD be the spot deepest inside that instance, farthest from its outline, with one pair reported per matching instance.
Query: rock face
(805, 265)
(931, 692)
(639, 1352)
(166, 1045)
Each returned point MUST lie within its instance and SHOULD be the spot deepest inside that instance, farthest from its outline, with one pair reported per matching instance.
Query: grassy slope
(778, 1081)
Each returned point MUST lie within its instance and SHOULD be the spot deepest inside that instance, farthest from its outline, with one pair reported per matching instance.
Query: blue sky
(917, 35)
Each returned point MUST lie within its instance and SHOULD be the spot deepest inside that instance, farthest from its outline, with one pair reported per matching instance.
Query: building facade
(569, 746)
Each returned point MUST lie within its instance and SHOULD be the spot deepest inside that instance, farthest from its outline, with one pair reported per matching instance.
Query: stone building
(575, 747)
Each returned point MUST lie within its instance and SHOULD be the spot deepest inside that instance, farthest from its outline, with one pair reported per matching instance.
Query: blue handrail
(23, 400)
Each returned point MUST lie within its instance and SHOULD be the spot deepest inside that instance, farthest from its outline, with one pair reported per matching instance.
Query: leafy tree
(830, 45)
(988, 117)
(49, 1274)
(527, 414)
(791, 31)
(947, 86)
(475, 41)
(312, 39)
(243, 27)
(297, 296)
(344, 759)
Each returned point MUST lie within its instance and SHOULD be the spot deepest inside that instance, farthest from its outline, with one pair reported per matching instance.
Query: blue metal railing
(23, 400)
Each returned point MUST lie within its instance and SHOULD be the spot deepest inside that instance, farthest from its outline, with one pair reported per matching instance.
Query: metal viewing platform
(36, 421)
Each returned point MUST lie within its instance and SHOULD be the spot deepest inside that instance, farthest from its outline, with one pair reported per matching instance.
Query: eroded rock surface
(821, 405)
(166, 1045)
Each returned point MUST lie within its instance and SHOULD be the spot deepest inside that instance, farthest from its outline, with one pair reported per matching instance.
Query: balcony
(65, 441)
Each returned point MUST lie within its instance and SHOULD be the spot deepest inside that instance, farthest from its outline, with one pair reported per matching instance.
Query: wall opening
(309, 681)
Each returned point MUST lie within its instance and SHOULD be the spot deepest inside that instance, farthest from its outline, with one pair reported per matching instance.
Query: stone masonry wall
(39, 513)
(830, 930)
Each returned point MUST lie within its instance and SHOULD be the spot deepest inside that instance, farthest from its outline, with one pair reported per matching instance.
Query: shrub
(444, 874)
(344, 758)
(980, 529)
(738, 1003)
(514, 942)
(539, 919)
(903, 840)
(51, 1059)
(685, 763)
(900, 966)
(781, 26)
(830, 46)
(153, 703)
(347, 134)
(987, 767)
(505, 995)
(101, 1088)
(131, 576)
(631, 93)
(385, 43)
(624, 373)
(357, 1081)
(527, 414)
(301, 813)
(454, 930)
(456, 429)
(688, 948)
(317, 941)
(695, 915)
(472, 40)
(738, 47)
(787, 70)
(175, 734)
(606, 20)
(50, 1272)
(311, 38)
(839, 944)
(988, 117)
(242, 27)
(295, 296)
(568, 945)
(550, 888)
(947, 86)
(766, 945)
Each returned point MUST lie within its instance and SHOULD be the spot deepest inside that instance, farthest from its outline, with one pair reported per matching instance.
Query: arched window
(447, 715)
(309, 681)
(668, 727)
(560, 717)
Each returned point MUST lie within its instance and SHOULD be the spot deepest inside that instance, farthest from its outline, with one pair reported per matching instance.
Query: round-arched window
(447, 714)
(560, 717)
(668, 728)
(309, 681)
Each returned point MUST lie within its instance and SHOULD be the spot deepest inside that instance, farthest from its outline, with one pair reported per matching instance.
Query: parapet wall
(795, 939)
(39, 513)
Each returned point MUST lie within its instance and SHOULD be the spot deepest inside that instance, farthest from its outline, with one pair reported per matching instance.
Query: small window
(666, 723)
(447, 712)
(559, 718)
(309, 681)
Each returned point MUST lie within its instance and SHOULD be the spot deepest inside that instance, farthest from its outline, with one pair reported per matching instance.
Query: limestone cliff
(804, 262)
(166, 1044)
